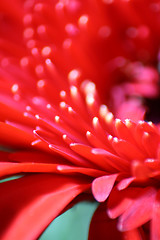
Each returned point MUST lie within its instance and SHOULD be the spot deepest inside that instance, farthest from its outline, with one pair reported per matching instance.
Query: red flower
(52, 54)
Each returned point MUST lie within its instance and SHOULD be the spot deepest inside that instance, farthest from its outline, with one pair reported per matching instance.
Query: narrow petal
(87, 171)
(70, 155)
(126, 149)
(123, 132)
(111, 159)
(7, 168)
(86, 151)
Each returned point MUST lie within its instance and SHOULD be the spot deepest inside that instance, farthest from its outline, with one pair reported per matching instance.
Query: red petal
(4, 156)
(140, 171)
(124, 183)
(111, 159)
(139, 212)
(31, 156)
(22, 139)
(155, 228)
(102, 186)
(70, 155)
(36, 157)
(86, 152)
(128, 150)
(119, 201)
(15, 115)
(87, 171)
(123, 131)
(103, 228)
(30, 203)
(8, 168)
(135, 234)
(151, 142)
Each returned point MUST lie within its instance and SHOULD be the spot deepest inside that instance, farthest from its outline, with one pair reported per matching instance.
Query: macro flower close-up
(79, 116)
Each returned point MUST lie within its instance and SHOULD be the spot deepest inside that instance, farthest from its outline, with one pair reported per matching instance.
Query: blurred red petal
(135, 234)
(4, 156)
(139, 211)
(119, 201)
(124, 183)
(155, 223)
(103, 228)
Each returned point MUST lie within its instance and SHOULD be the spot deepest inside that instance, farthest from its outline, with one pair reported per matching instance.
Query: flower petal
(102, 186)
(135, 234)
(86, 152)
(124, 183)
(139, 212)
(30, 203)
(87, 171)
(155, 229)
(8, 168)
(128, 150)
(23, 139)
(102, 227)
(119, 201)
(36, 157)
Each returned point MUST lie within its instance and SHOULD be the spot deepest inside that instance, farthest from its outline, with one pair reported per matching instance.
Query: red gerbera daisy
(54, 57)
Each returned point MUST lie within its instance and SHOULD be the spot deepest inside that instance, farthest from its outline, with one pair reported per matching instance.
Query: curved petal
(102, 186)
(30, 203)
